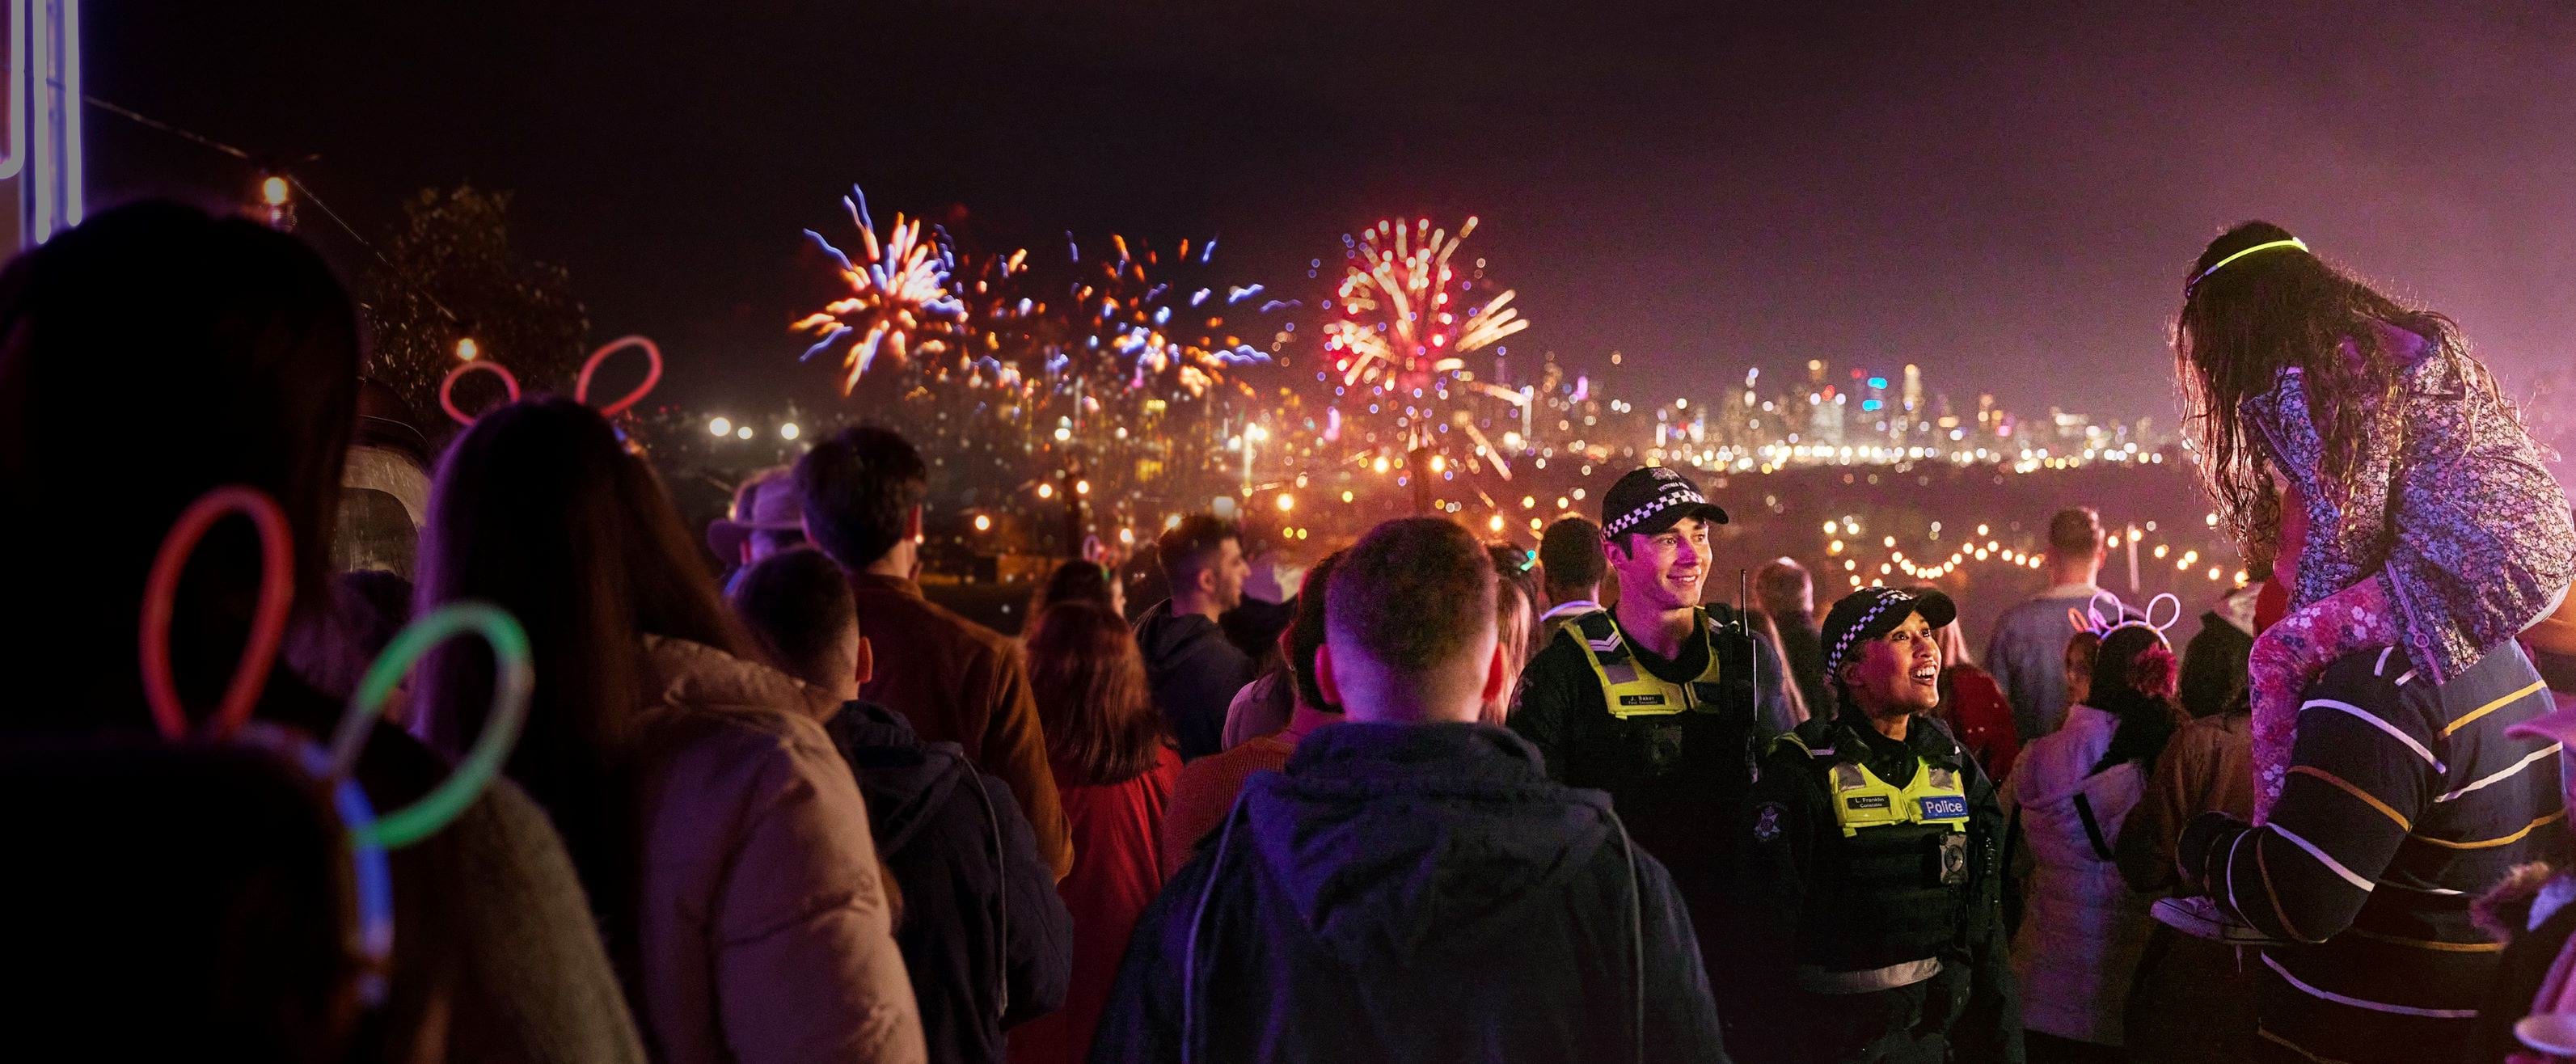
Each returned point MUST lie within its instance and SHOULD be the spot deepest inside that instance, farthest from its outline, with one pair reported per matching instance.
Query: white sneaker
(2201, 917)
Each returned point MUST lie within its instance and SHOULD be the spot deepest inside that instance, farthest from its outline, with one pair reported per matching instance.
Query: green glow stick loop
(513, 679)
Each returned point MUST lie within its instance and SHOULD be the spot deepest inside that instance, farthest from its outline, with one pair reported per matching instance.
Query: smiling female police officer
(1876, 852)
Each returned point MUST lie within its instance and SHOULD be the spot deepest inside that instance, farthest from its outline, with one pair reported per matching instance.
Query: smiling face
(1898, 673)
(1666, 569)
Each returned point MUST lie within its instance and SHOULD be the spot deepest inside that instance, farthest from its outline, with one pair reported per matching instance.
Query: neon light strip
(74, 204)
(21, 82)
(40, 224)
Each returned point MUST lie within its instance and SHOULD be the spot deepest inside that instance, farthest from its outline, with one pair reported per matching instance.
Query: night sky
(2008, 197)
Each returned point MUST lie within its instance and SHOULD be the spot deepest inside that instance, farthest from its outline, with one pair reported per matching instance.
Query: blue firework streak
(1168, 329)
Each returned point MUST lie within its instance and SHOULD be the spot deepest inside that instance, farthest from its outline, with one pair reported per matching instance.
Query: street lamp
(719, 426)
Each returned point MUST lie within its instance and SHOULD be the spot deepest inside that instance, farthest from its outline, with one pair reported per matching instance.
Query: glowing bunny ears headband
(580, 388)
(2214, 267)
(2091, 618)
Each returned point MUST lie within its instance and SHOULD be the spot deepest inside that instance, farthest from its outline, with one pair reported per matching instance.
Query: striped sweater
(2405, 800)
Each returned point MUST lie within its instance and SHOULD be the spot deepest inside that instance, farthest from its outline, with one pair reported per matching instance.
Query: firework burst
(1169, 329)
(899, 300)
(1401, 327)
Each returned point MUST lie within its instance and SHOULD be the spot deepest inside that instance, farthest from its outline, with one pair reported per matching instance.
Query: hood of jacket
(2056, 767)
(1389, 838)
(903, 778)
(1169, 638)
(682, 674)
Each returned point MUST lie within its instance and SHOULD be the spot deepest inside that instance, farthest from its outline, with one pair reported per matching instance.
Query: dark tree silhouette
(451, 274)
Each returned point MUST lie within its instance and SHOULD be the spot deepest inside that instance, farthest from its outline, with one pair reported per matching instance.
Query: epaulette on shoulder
(1812, 737)
(1596, 629)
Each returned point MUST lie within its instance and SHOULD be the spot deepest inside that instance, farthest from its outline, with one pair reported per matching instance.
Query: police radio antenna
(1752, 654)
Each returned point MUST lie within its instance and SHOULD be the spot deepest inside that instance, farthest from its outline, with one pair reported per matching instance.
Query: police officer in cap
(1660, 700)
(1876, 857)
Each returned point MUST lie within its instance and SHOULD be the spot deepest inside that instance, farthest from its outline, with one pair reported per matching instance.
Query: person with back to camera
(1412, 887)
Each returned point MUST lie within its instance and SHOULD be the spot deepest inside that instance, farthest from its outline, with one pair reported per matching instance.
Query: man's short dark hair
(1306, 630)
(797, 604)
(1569, 556)
(2075, 532)
(1414, 593)
(1189, 548)
(859, 487)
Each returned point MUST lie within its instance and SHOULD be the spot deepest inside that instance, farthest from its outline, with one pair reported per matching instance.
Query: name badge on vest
(1868, 801)
(1641, 700)
(1945, 807)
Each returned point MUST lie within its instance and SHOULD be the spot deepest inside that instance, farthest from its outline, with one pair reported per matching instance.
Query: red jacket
(1117, 870)
(1977, 712)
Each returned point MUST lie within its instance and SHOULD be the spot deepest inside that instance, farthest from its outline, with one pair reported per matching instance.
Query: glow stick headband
(371, 875)
(370, 836)
(2091, 619)
(581, 385)
(2292, 242)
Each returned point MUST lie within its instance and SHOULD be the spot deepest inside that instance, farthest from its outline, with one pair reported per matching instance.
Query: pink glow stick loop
(447, 387)
(652, 374)
(268, 620)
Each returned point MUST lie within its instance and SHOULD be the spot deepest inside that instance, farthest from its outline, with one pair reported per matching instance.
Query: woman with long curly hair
(2431, 524)
(2083, 930)
(1115, 768)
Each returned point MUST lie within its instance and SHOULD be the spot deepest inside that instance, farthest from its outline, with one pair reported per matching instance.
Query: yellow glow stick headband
(2221, 264)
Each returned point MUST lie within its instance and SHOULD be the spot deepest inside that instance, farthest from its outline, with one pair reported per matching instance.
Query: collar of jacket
(1304, 720)
(1447, 758)
(876, 726)
(865, 581)
(1924, 737)
(682, 673)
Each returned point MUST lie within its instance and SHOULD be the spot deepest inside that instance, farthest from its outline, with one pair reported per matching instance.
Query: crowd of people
(1423, 799)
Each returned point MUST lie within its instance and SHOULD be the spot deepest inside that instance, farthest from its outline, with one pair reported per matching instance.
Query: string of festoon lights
(1843, 541)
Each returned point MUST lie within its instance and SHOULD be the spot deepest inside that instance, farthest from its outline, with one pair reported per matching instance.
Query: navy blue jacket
(984, 935)
(1414, 893)
(1195, 672)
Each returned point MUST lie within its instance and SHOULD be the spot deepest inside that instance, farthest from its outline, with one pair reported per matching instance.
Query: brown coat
(2208, 765)
(762, 925)
(959, 682)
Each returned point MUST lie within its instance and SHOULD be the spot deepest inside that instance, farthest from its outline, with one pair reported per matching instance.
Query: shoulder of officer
(1812, 740)
(1932, 738)
(1592, 625)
